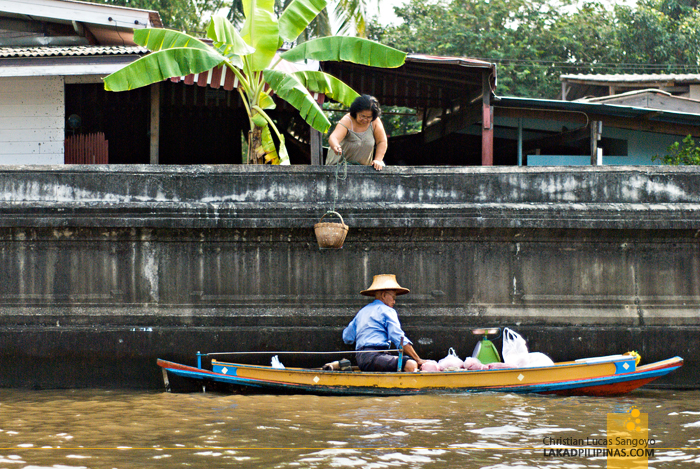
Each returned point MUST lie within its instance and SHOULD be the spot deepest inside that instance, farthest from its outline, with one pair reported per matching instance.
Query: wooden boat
(600, 376)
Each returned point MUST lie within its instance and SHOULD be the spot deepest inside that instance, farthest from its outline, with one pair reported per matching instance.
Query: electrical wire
(291, 353)
(116, 29)
(579, 65)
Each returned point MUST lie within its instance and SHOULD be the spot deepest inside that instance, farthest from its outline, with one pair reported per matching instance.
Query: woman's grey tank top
(358, 147)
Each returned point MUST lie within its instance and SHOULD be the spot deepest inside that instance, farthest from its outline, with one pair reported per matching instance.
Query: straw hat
(385, 282)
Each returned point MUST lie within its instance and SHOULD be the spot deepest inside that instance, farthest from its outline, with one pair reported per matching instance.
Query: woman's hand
(337, 149)
(378, 164)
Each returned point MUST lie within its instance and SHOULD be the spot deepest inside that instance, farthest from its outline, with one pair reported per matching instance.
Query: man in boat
(377, 325)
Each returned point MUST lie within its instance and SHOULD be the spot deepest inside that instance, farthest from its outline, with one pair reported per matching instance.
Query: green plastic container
(486, 352)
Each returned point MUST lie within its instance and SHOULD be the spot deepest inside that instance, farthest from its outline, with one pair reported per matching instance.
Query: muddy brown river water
(72, 429)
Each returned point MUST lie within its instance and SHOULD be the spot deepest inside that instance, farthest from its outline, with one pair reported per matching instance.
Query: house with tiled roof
(53, 56)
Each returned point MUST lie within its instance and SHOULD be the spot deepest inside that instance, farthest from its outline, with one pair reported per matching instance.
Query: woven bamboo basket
(330, 235)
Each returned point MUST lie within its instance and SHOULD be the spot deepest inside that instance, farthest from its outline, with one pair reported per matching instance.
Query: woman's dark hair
(363, 103)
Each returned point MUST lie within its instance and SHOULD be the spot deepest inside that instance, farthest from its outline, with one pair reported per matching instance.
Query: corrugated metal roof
(635, 78)
(70, 51)
(642, 92)
(464, 61)
(615, 110)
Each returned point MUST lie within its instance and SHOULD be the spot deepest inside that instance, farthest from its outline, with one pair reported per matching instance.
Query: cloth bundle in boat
(451, 362)
(471, 363)
(499, 366)
(430, 366)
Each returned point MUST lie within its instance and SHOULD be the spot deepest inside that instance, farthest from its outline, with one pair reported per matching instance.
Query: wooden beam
(487, 122)
(155, 124)
(570, 116)
(595, 132)
(450, 123)
(315, 147)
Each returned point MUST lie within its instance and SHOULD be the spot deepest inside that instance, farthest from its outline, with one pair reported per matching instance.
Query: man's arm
(408, 348)
(349, 333)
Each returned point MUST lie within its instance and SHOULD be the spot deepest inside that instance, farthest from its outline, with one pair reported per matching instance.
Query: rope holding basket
(330, 235)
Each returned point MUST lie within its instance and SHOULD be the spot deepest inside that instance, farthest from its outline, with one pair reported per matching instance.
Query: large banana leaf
(159, 39)
(261, 31)
(291, 90)
(282, 152)
(297, 16)
(227, 41)
(351, 14)
(222, 32)
(347, 49)
(329, 85)
(158, 66)
(265, 101)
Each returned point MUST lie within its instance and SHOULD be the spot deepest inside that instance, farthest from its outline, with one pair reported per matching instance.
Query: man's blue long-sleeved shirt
(374, 326)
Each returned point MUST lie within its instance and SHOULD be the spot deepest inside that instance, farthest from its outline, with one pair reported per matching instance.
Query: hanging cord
(339, 177)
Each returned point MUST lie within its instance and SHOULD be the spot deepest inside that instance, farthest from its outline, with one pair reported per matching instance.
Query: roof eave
(614, 110)
(84, 12)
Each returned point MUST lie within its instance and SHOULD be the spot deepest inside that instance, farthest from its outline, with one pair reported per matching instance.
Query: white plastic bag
(276, 363)
(514, 349)
(539, 359)
(451, 362)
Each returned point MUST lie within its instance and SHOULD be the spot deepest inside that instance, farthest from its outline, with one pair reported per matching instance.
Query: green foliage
(289, 88)
(351, 16)
(161, 65)
(687, 154)
(660, 33)
(347, 49)
(534, 42)
(401, 121)
(348, 14)
(333, 88)
(297, 16)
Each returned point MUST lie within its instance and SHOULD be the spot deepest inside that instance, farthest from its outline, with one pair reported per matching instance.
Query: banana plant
(252, 55)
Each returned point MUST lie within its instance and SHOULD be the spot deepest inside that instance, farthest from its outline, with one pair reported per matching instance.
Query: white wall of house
(32, 114)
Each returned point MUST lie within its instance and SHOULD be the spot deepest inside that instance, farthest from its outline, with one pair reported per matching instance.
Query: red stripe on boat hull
(614, 389)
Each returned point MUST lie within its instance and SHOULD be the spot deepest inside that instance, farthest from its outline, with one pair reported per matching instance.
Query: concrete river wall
(104, 269)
